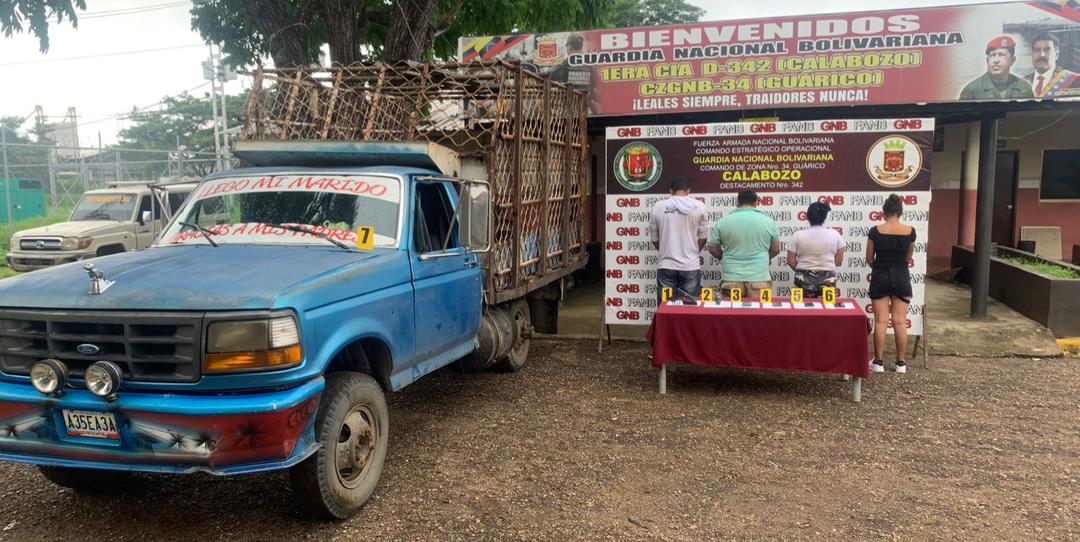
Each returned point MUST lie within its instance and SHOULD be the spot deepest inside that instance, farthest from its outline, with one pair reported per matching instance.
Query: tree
(629, 13)
(291, 31)
(184, 118)
(33, 16)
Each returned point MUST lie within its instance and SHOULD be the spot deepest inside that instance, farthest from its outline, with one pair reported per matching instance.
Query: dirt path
(580, 447)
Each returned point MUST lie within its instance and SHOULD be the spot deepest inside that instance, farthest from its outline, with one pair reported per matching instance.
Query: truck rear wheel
(89, 481)
(518, 355)
(352, 428)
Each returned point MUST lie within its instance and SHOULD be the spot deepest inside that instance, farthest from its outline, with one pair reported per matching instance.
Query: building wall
(955, 170)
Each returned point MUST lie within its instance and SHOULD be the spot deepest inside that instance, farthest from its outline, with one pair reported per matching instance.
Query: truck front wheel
(352, 428)
(88, 481)
(518, 354)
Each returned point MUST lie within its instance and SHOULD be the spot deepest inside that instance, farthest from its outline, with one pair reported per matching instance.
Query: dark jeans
(689, 282)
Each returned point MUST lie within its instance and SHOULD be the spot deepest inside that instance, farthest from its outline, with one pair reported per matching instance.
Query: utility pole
(210, 72)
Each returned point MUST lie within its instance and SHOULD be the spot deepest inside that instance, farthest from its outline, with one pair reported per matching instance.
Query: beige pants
(750, 290)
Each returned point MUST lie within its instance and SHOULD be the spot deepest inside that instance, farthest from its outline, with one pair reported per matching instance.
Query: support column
(984, 216)
(969, 186)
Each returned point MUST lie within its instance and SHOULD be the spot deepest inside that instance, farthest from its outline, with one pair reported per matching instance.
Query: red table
(786, 339)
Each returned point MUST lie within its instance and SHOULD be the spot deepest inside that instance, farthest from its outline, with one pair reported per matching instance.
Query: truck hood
(78, 228)
(198, 277)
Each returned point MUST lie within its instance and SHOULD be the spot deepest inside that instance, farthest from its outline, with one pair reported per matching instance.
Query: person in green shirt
(998, 83)
(745, 241)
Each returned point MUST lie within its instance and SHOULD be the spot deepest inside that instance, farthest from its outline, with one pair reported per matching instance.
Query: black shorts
(889, 282)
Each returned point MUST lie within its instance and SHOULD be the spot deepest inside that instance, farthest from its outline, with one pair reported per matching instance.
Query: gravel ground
(580, 447)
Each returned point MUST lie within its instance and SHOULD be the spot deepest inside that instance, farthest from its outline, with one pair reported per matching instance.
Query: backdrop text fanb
(852, 164)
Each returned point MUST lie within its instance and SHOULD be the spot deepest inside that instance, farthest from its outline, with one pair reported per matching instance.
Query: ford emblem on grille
(88, 349)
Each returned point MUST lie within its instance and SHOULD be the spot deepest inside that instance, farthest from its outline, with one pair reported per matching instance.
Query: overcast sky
(84, 70)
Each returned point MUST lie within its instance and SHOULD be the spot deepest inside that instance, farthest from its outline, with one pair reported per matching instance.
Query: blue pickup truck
(264, 326)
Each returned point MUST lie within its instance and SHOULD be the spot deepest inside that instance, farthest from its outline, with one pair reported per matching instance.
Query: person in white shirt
(678, 231)
(815, 253)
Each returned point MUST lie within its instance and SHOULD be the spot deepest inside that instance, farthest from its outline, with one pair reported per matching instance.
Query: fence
(65, 179)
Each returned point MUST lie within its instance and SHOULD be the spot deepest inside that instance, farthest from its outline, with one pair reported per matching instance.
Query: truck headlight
(253, 345)
(48, 376)
(76, 243)
(103, 378)
(13, 244)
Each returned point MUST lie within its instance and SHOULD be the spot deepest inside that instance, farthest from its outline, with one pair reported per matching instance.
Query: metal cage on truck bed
(519, 130)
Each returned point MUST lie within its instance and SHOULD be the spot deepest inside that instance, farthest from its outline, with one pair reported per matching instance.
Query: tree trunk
(411, 29)
(343, 19)
(286, 36)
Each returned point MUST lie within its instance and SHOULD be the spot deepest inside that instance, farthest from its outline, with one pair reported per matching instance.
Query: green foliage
(629, 13)
(186, 117)
(17, 16)
(1049, 269)
(226, 23)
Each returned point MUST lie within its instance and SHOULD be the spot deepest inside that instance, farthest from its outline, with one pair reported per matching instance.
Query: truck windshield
(104, 207)
(358, 210)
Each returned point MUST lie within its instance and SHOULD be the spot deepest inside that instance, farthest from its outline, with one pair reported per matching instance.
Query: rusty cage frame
(527, 132)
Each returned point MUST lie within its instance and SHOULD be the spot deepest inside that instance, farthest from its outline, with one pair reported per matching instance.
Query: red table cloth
(816, 340)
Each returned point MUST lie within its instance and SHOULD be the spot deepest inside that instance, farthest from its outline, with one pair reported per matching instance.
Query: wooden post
(333, 103)
(295, 91)
(545, 169)
(254, 120)
(519, 149)
(572, 113)
(374, 107)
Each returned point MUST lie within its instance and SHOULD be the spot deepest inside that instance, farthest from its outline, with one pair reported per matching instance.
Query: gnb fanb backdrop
(851, 164)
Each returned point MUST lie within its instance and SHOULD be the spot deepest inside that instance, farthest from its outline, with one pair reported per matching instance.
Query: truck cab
(121, 217)
(261, 330)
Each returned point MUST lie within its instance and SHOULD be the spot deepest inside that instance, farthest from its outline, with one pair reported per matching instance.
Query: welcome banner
(884, 57)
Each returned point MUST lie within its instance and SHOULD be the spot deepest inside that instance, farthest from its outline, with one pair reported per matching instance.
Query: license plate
(82, 423)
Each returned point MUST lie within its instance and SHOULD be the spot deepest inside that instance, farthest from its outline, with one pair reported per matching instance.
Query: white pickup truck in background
(119, 218)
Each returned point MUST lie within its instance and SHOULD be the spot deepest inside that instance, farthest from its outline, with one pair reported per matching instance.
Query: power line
(130, 11)
(122, 116)
(117, 53)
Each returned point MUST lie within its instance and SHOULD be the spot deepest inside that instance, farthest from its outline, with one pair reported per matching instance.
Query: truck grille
(148, 346)
(40, 244)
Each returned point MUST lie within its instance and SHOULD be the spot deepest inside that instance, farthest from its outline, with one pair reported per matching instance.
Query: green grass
(6, 232)
(1048, 269)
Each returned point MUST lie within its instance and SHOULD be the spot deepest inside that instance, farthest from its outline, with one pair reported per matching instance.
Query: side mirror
(144, 218)
(474, 207)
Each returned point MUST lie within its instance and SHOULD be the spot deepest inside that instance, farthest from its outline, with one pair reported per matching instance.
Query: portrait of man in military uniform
(1050, 80)
(998, 83)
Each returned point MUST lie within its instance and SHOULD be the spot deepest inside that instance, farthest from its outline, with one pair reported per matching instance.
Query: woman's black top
(890, 250)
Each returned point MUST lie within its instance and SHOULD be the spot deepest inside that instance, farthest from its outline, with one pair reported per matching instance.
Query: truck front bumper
(219, 434)
(30, 261)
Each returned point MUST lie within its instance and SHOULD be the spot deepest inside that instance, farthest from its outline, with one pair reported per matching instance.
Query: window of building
(1060, 175)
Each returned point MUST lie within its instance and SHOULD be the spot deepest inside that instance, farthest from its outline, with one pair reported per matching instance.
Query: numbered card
(365, 238)
(828, 295)
(736, 295)
(766, 296)
(708, 295)
(666, 294)
(796, 295)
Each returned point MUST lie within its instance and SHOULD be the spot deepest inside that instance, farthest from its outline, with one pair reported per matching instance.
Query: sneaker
(901, 367)
(877, 366)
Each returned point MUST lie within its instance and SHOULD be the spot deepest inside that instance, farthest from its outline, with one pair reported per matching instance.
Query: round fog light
(103, 378)
(48, 376)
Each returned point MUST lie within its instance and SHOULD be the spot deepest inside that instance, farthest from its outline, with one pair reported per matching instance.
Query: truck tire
(518, 355)
(88, 481)
(352, 427)
(110, 249)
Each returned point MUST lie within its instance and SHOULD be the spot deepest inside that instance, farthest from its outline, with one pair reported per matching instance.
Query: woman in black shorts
(888, 252)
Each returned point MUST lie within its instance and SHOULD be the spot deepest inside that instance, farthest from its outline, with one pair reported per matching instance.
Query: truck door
(447, 279)
(145, 229)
